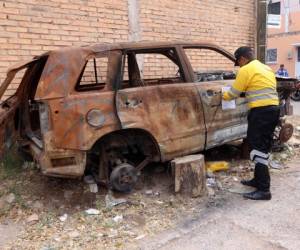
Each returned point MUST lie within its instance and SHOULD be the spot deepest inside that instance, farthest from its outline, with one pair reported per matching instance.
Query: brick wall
(30, 27)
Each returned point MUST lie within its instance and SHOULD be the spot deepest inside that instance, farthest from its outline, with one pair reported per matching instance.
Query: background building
(283, 40)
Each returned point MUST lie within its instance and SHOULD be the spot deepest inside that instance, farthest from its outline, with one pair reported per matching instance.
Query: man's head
(281, 66)
(243, 55)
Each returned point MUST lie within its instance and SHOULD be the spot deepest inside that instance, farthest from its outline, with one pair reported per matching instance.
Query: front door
(212, 69)
(156, 98)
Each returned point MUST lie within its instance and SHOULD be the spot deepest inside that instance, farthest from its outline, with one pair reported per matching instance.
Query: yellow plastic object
(217, 165)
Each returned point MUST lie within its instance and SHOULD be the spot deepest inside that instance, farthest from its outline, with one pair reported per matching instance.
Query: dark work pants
(261, 125)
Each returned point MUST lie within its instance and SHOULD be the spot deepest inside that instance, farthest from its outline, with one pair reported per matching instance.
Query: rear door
(9, 104)
(213, 69)
(155, 97)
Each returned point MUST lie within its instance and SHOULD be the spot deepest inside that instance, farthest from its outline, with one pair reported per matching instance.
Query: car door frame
(217, 135)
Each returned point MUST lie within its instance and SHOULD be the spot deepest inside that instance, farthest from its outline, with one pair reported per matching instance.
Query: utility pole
(261, 29)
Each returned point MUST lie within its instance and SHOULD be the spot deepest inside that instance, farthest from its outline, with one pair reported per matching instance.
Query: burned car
(113, 108)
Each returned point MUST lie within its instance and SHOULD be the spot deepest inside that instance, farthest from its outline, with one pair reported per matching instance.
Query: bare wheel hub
(123, 177)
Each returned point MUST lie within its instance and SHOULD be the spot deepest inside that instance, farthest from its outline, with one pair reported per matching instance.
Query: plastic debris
(217, 166)
(149, 192)
(92, 211)
(110, 201)
(63, 218)
(10, 198)
(140, 237)
(275, 165)
(211, 182)
(93, 188)
(118, 218)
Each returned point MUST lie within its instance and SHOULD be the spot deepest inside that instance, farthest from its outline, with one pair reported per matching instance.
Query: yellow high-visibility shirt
(258, 81)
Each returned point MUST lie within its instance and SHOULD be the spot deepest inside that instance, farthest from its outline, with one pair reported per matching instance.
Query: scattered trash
(32, 219)
(149, 192)
(110, 201)
(74, 234)
(235, 178)
(157, 193)
(140, 237)
(92, 211)
(93, 188)
(211, 182)
(217, 165)
(63, 218)
(89, 179)
(10, 198)
(118, 218)
(275, 165)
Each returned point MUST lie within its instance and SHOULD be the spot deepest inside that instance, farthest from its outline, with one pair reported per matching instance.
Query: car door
(157, 99)
(9, 103)
(212, 69)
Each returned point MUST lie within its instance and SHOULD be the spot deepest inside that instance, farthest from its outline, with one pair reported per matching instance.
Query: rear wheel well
(127, 145)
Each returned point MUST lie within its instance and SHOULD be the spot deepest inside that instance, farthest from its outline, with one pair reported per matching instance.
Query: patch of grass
(11, 164)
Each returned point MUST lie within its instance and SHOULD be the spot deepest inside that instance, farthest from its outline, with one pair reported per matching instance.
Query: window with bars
(271, 55)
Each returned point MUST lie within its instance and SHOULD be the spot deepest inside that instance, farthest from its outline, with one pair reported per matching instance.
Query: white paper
(227, 104)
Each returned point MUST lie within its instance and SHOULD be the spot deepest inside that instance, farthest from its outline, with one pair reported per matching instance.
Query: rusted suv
(113, 108)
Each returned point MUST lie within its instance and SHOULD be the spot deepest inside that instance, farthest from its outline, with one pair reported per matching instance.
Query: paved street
(236, 223)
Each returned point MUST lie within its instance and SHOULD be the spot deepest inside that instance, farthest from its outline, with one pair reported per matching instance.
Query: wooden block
(189, 173)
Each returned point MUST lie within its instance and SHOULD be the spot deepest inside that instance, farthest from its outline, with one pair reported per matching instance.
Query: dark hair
(281, 65)
(244, 51)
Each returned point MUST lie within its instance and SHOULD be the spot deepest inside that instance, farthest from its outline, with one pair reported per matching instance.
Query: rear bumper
(60, 163)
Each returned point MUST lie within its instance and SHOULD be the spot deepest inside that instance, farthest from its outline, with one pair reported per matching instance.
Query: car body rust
(69, 127)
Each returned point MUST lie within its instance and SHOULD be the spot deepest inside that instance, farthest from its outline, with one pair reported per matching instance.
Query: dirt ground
(37, 212)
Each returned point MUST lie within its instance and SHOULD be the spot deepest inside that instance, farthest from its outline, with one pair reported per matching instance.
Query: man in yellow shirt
(258, 82)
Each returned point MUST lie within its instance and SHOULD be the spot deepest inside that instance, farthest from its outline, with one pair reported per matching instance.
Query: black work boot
(258, 195)
(263, 184)
(252, 182)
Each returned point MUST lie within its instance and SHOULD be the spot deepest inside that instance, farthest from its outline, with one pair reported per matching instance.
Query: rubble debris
(92, 211)
(93, 188)
(213, 166)
(110, 201)
(190, 175)
(10, 198)
(32, 219)
(63, 218)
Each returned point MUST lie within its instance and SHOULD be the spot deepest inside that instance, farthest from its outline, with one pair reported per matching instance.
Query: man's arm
(239, 86)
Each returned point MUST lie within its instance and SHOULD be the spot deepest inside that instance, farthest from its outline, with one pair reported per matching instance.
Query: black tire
(123, 178)
(295, 96)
